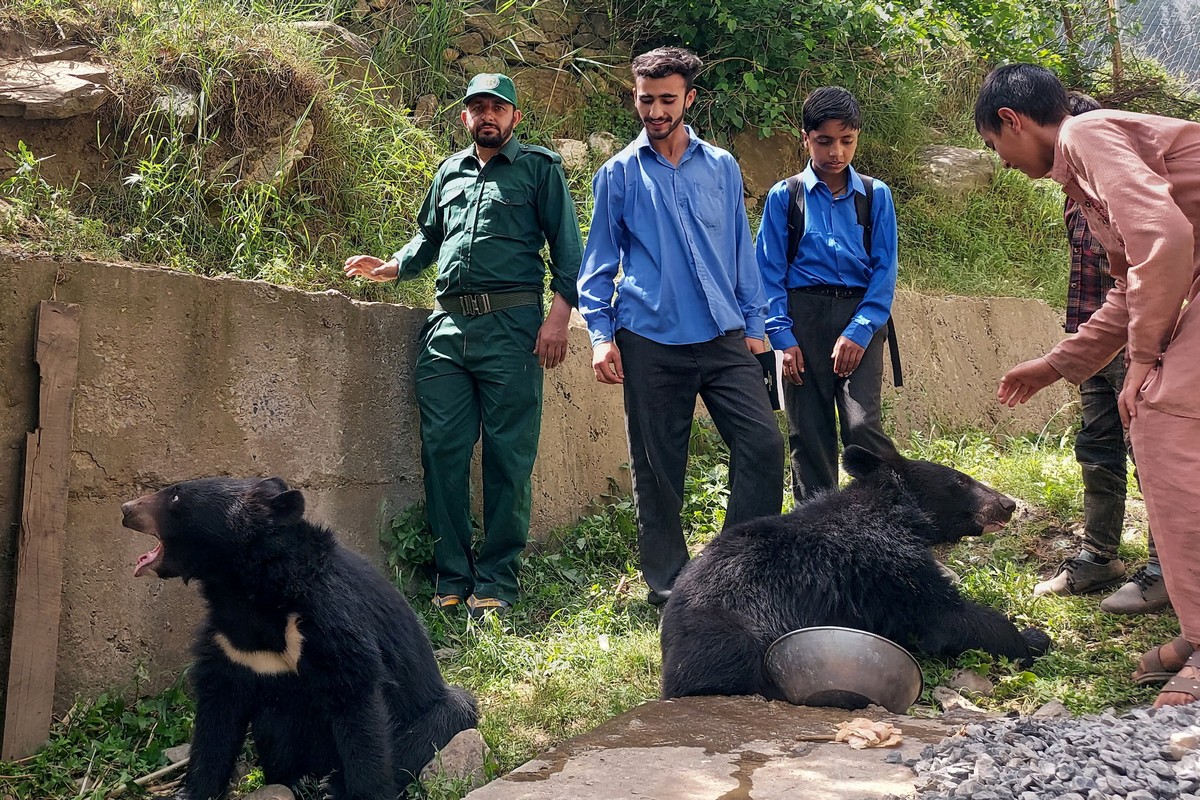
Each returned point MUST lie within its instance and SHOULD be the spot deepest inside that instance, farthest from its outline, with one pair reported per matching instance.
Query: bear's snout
(997, 513)
(138, 515)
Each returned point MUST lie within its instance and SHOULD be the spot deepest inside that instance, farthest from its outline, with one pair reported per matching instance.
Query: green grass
(582, 645)
(107, 742)
(1007, 242)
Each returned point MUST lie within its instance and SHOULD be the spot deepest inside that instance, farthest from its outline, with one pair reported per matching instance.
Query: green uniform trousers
(479, 376)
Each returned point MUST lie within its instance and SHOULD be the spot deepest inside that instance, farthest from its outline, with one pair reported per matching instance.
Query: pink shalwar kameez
(1137, 179)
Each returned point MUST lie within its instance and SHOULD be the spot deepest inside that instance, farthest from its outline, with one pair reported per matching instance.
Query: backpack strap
(795, 217)
(862, 206)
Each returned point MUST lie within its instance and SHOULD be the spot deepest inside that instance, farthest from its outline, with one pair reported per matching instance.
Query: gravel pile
(1141, 755)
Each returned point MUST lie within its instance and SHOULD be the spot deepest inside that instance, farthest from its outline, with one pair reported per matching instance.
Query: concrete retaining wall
(182, 376)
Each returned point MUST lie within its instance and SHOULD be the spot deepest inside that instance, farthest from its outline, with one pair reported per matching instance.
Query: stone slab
(720, 748)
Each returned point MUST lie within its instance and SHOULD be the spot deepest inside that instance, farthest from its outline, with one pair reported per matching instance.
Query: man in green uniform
(486, 216)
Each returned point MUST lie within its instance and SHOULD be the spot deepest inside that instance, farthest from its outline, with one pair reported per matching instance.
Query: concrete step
(721, 748)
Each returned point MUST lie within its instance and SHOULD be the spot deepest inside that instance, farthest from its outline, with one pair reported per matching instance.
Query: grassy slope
(169, 202)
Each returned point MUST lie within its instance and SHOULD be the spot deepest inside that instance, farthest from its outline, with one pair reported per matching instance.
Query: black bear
(305, 643)
(857, 557)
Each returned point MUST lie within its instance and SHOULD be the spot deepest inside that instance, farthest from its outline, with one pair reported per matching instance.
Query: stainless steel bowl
(844, 668)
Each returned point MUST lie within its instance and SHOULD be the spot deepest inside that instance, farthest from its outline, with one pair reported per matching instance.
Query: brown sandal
(1163, 663)
(1189, 685)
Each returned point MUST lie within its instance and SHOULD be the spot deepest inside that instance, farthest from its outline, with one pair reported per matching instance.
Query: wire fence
(1169, 32)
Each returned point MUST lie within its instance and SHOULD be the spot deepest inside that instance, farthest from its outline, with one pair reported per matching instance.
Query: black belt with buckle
(831, 291)
(475, 305)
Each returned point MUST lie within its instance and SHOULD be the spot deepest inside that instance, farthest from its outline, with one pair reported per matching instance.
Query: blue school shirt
(680, 236)
(831, 253)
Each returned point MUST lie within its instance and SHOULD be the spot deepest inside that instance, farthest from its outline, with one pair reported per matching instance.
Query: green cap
(492, 83)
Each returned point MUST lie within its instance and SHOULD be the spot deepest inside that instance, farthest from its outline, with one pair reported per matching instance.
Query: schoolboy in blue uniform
(829, 306)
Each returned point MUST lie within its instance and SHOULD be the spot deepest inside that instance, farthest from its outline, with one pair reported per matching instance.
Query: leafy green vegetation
(582, 646)
(178, 196)
(104, 744)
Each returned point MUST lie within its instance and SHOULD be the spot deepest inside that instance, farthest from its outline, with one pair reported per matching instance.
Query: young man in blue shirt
(829, 305)
(687, 317)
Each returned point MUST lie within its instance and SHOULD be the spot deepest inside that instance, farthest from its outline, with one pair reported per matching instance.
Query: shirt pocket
(452, 206)
(507, 211)
(708, 200)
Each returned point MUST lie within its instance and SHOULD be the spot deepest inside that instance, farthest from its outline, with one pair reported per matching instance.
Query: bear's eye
(175, 499)
(960, 480)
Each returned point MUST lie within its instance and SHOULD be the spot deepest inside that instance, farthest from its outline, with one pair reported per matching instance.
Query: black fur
(858, 557)
(365, 707)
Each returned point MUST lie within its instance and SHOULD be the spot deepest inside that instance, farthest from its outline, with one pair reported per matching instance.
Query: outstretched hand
(1025, 380)
(371, 268)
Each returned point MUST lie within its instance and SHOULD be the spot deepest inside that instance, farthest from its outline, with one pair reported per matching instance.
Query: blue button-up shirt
(681, 238)
(831, 253)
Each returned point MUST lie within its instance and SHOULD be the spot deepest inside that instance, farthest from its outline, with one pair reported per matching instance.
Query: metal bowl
(844, 668)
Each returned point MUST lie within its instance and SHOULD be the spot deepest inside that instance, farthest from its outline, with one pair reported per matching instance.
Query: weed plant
(582, 645)
(178, 194)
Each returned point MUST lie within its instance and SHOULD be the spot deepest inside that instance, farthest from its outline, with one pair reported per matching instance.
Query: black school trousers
(825, 402)
(661, 385)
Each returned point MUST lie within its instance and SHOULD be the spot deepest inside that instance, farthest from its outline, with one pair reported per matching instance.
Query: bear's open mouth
(136, 517)
(992, 527)
(151, 559)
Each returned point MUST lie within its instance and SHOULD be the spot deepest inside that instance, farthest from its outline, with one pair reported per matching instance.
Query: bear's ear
(287, 505)
(860, 462)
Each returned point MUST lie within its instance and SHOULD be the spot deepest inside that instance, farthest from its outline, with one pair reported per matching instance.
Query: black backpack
(862, 208)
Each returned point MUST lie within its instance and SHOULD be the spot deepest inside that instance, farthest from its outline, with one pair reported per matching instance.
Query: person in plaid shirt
(1101, 444)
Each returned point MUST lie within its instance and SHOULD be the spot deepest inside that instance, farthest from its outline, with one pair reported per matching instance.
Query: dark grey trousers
(1101, 446)
(661, 385)
(817, 322)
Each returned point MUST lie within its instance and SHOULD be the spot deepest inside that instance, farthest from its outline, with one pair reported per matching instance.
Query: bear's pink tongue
(146, 559)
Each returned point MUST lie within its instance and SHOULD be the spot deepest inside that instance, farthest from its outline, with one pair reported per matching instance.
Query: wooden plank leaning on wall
(43, 522)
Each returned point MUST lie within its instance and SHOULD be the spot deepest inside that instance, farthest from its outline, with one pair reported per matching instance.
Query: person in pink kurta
(1137, 179)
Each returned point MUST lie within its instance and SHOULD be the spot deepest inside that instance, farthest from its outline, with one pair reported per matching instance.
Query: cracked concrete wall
(182, 376)
(954, 351)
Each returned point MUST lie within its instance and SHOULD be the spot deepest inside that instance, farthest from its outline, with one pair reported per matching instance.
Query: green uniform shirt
(486, 225)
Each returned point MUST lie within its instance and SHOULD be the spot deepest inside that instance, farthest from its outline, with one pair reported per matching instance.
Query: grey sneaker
(1080, 576)
(1142, 594)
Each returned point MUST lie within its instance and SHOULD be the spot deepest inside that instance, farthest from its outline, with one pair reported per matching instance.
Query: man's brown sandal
(1190, 684)
(480, 607)
(1163, 663)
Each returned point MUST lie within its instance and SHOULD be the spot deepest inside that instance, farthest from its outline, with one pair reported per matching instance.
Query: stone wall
(182, 376)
